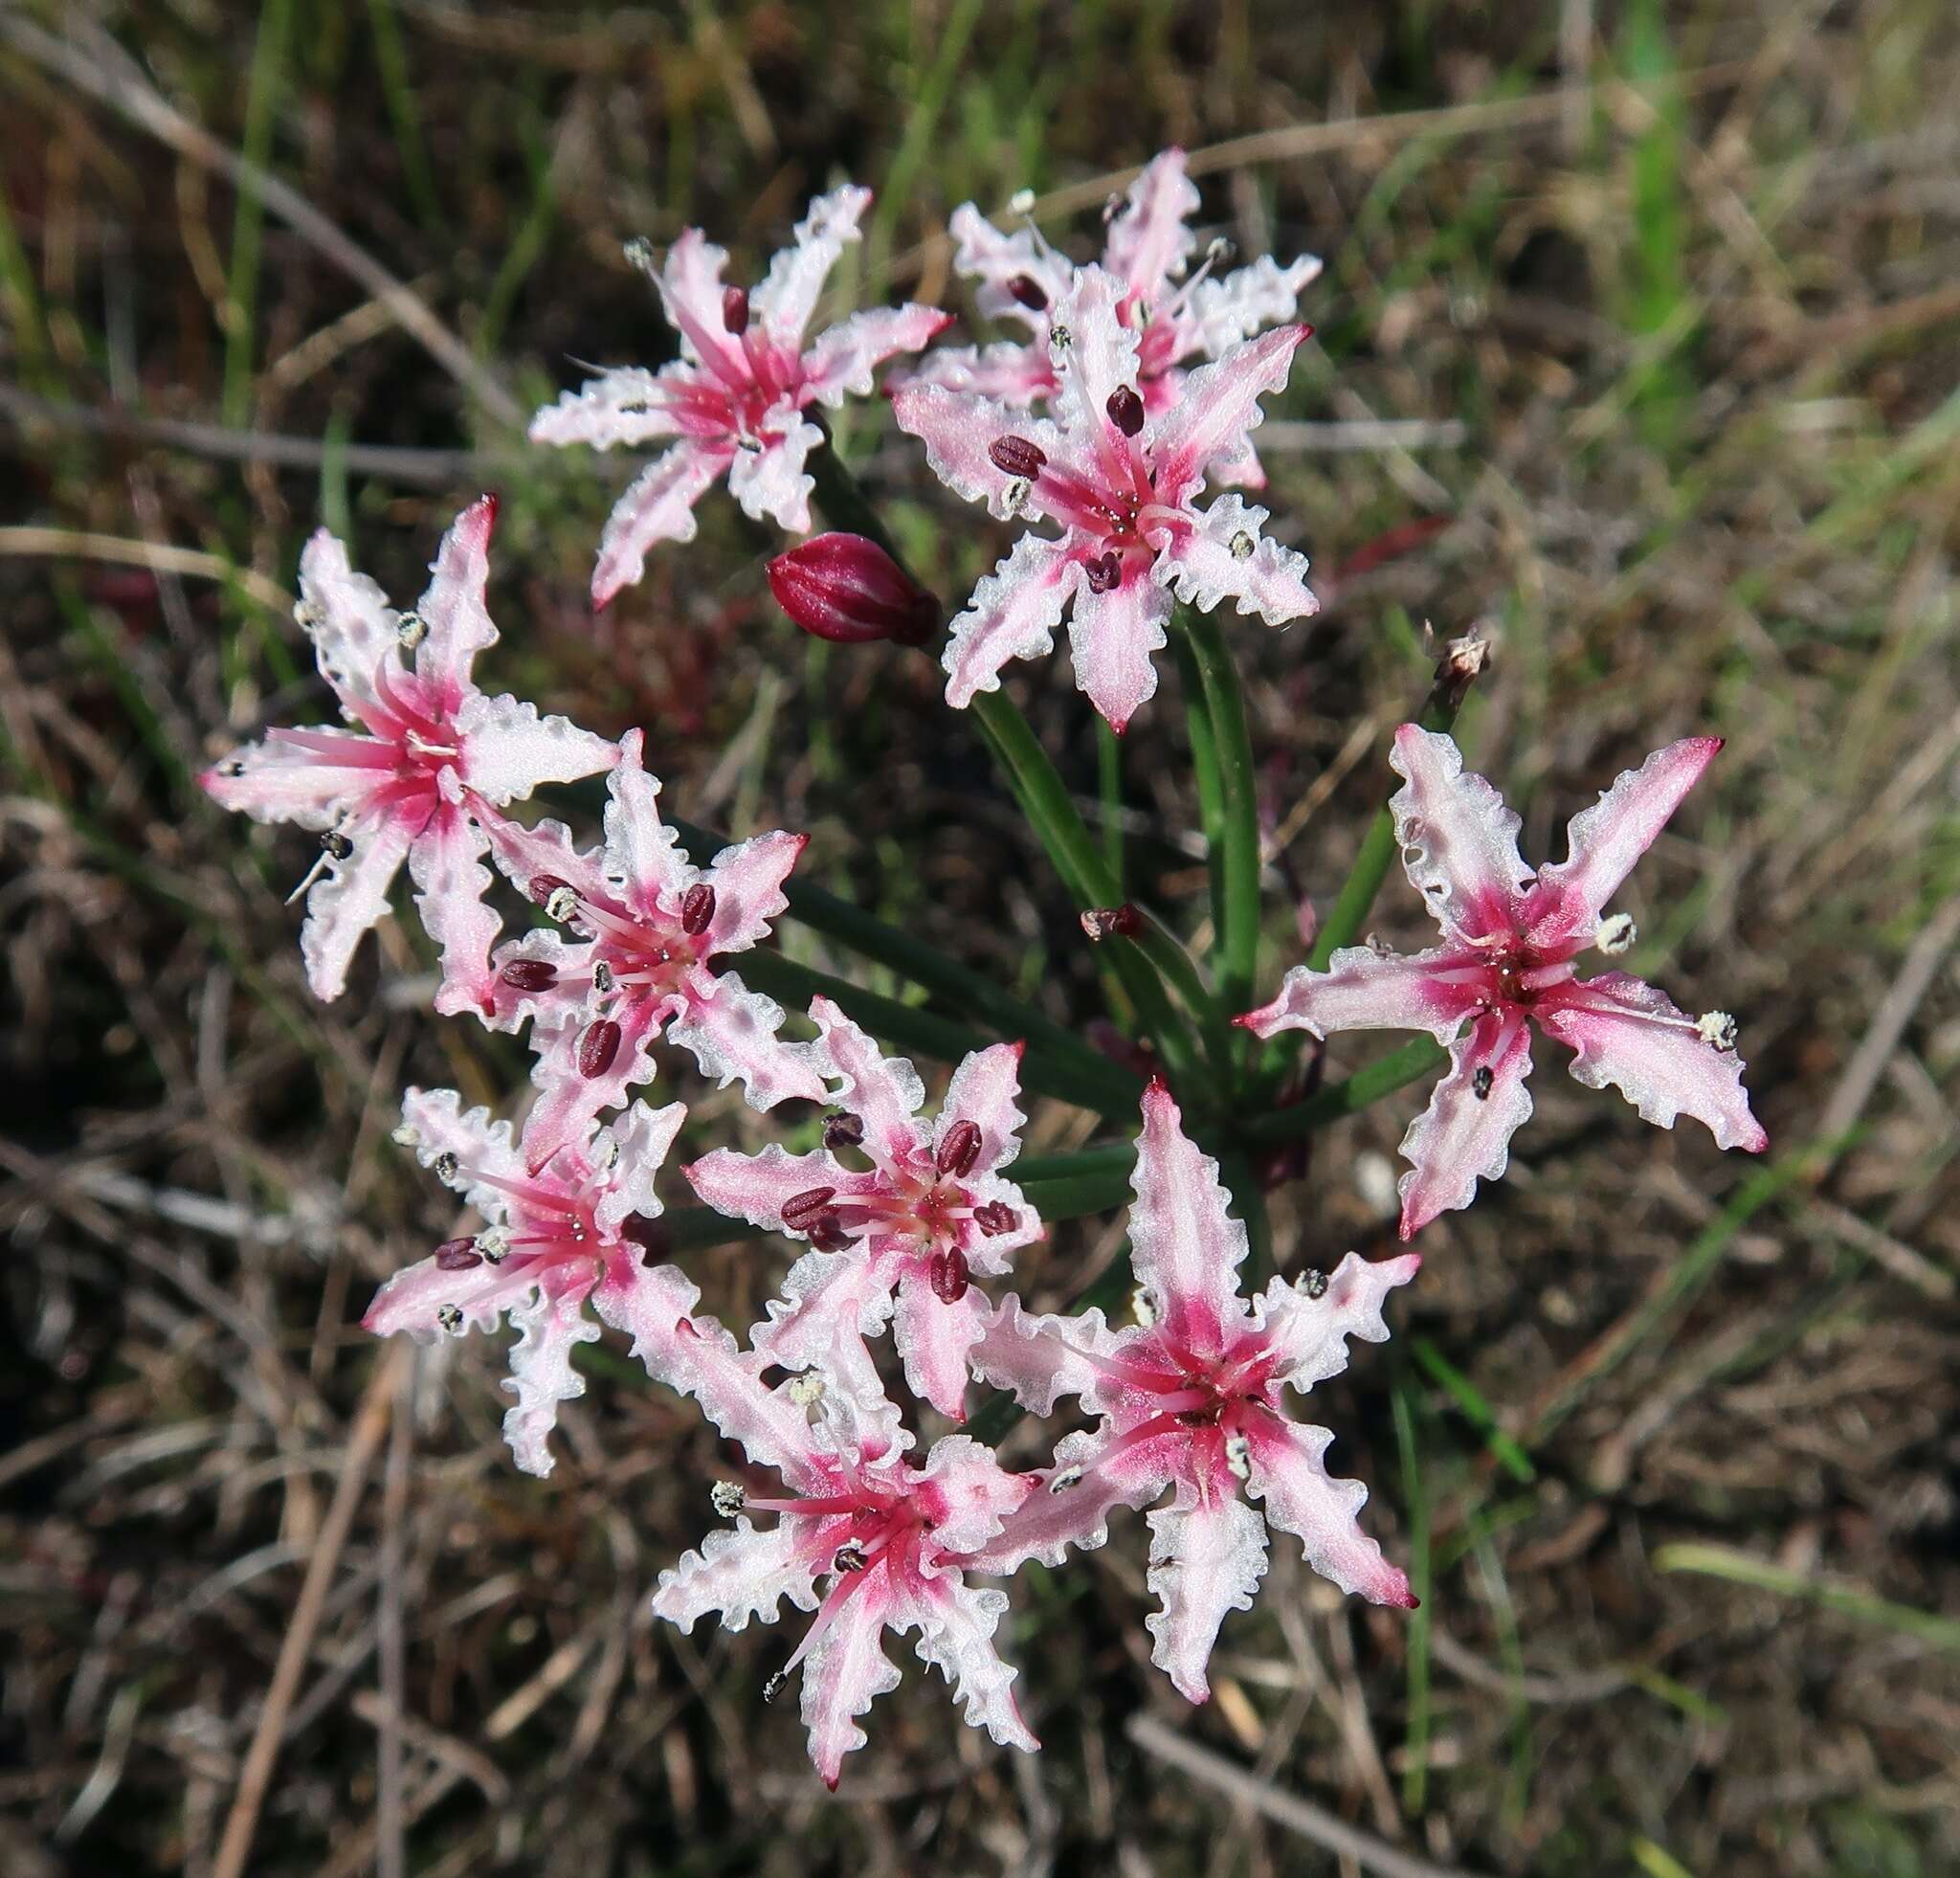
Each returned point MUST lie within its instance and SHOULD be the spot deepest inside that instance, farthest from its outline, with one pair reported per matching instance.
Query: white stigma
(1616, 934)
(562, 904)
(1716, 1029)
(1021, 203)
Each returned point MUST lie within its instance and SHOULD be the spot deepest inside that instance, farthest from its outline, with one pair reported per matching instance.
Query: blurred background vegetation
(1637, 343)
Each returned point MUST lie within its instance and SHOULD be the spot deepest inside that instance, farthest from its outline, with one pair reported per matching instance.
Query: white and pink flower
(862, 1535)
(651, 924)
(898, 1241)
(1508, 962)
(1192, 1398)
(735, 400)
(577, 1229)
(1176, 315)
(1122, 482)
(431, 760)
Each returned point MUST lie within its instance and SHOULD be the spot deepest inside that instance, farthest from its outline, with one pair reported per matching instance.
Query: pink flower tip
(847, 589)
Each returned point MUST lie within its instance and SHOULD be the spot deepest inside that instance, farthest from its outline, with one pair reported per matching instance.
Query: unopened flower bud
(958, 1150)
(727, 1498)
(847, 589)
(1616, 933)
(697, 909)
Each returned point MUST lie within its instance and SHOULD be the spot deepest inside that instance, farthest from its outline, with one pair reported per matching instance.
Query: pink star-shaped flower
(882, 1532)
(1506, 962)
(1174, 315)
(735, 398)
(430, 761)
(1122, 484)
(1193, 1399)
(576, 1229)
(898, 1241)
(651, 924)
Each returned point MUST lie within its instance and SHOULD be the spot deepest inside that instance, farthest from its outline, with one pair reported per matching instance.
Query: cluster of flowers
(906, 1221)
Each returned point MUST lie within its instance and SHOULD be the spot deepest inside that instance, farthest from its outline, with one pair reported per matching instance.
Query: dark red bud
(735, 310)
(1028, 291)
(598, 1049)
(544, 886)
(1015, 455)
(1126, 411)
(1103, 573)
(995, 1217)
(847, 589)
(530, 974)
(458, 1254)
(843, 1132)
(959, 1149)
(1123, 922)
(948, 1274)
(800, 1211)
(697, 909)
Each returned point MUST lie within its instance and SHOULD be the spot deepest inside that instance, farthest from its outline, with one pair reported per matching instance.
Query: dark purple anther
(1028, 292)
(995, 1217)
(1126, 411)
(544, 886)
(959, 1149)
(598, 1049)
(800, 1211)
(843, 1132)
(826, 1232)
(458, 1254)
(1015, 455)
(735, 310)
(697, 909)
(949, 1275)
(530, 974)
(1103, 573)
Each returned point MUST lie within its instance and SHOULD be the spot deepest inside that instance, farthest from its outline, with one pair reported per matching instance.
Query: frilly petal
(1363, 989)
(509, 749)
(1013, 615)
(657, 506)
(1206, 1561)
(1185, 1247)
(1464, 1137)
(1225, 557)
(1290, 1479)
(730, 1030)
(1459, 840)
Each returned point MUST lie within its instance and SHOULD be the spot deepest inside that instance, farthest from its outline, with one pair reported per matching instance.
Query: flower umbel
(1193, 1399)
(420, 776)
(1122, 484)
(902, 1239)
(650, 925)
(1508, 962)
(1175, 313)
(735, 399)
(864, 1536)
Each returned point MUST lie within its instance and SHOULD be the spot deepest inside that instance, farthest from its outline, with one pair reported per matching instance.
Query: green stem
(1110, 1088)
(1203, 758)
(843, 500)
(1414, 1059)
(1109, 784)
(1239, 895)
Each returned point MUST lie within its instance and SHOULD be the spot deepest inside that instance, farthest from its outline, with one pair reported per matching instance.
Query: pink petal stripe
(788, 292)
(509, 751)
(1603, 842)
(657, 506)
(983, 1091)
(1186, 1248)
(642, 852)
(1363, 989)
(1310, 1333)
(1629, 1035)
(1459, 842)
(841, 362)
(748, 880)
(1219, 404)
(1206, 1561)
(731, 1031)
(1112, 637)
(451, 881)
(1464, 1137)
(351, 898)
(933, 1339)
(883, 1092)
(1013, 615)
(1290, 1479)
(452, 607)
(1149, 240)
(956, 1625)
(848, 1669)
